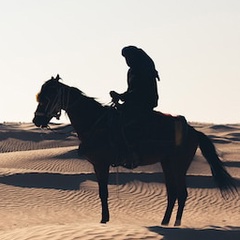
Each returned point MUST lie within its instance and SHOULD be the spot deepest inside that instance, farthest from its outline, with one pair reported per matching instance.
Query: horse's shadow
(63, 181)
(213, 232)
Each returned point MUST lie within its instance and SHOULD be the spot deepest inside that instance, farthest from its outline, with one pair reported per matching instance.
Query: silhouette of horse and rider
(132, 134)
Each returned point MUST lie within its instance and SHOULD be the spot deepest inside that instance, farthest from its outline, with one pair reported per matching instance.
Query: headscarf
(139, 61)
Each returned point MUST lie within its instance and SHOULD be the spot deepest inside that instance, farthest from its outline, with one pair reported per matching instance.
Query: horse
(90, 119)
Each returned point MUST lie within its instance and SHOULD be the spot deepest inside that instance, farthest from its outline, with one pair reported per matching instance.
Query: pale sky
(195, 46)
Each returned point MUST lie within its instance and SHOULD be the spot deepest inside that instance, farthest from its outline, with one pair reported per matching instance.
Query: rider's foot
(132, 161)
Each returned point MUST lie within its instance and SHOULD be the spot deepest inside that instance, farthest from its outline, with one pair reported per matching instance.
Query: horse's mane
(92, 100)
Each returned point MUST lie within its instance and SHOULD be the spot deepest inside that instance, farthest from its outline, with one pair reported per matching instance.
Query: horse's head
(49, 102)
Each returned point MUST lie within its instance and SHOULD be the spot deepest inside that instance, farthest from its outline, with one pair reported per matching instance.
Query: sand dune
(47, 192)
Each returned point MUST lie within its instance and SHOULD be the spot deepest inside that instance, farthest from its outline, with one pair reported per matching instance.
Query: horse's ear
(57, 78)
(52, 78)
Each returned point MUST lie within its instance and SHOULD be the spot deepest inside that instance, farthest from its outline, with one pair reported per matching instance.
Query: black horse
(90, 120)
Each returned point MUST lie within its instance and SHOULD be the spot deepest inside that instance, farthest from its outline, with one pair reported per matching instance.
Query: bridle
(53, 108)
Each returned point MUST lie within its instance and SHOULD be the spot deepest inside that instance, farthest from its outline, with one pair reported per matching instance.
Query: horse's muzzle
(40, 120)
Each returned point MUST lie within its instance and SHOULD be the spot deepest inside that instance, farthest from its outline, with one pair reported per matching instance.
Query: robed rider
(142, 94)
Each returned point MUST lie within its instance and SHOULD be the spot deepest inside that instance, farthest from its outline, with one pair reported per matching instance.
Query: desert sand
(47, 192)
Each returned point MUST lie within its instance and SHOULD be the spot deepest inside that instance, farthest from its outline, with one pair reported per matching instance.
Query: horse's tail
(223, 179)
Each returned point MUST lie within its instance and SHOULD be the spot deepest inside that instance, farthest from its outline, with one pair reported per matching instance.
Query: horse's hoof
(164, 223)
(104, 221)
(177, 223)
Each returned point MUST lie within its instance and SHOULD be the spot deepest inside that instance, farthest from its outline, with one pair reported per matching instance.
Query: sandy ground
(47, 192)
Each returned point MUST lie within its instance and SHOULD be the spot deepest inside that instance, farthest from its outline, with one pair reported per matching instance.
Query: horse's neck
(83, 113)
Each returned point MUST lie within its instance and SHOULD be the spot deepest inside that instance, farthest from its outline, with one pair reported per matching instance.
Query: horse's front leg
(102, 173)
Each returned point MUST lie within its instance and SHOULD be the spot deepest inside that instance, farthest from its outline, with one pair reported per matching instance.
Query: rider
(141, 95)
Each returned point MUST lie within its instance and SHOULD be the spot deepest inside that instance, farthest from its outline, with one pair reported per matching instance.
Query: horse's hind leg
(171, 192)
(185, 161)
(175, 191)
(182, 197)
(171, 198)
